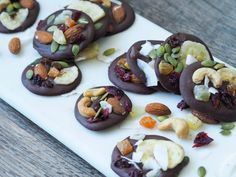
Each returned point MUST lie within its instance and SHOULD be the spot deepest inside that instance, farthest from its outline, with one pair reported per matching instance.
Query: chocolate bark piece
(204, 110)
(47, 87)
(114, 27)
(128, 86)
(83, 40)
(171, 82)
(101, 123)
(31, 18)
(128, 169)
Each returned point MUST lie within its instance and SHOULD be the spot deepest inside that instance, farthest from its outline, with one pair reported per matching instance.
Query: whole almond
(118, 13)
(41, 70)
(27, 3)
(43, 37)
(73, 31)
(14, 45)
(116, 106)
(157, 109)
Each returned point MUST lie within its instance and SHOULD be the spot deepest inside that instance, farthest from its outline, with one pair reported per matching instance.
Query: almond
(14, 45)
(27, 3)
(116, 106)
(73, 31)
(204, 117)
(43, 37)
(118, 13)
(157, 109)
(125, 147)
(41, 70)
(53, 72)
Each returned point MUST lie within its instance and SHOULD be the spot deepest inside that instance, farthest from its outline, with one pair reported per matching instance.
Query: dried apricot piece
(148, 122)
(125, 147)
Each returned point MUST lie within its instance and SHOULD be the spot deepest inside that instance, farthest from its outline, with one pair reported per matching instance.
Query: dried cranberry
(128, 106)
(78, 38)
(174, 79)
(37, 80)
(76, 15)
(119, 71)
(182, 105)
(126, 77)
(115, 92)
(122, 163)
(63, 27)
(135, 173)
(202, 139)
(105, 113)
(47, 84)
(215, 100)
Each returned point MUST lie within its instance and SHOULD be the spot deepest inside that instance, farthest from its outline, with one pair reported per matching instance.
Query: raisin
(105, 113)
(182, 105)
(174, 80)
(122, 163)
(37, 80)
(76, 15)
(135, 173)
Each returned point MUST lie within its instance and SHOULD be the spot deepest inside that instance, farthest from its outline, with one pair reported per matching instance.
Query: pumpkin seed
(54, 46)
(153, 54)
(161, 51)
(227, 126)
(10, 8)
(176, 50)
(175, 55)
(29, 74)
(83, 21)
(50, 19)
(225, 132)
(62, 47)
(201, 171)
(63, 64)
(219, 66)
(98, 26)
(75, 49)
(16, 5)
(109, 52)
(162, 118)
(52, 28)
(208, 63)
(172, 61)
(98, 112)
(179, 67)
(166, 55)
(168, 48)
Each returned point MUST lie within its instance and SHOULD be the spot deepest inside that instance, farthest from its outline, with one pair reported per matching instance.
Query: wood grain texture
(26, 150)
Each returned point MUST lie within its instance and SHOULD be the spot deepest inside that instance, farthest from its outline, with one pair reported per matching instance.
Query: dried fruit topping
(117, 107)
(157, 109)
(193, 122)
(70, 23)
(47, 84)
(135, 173)
(202, 139)
(41, 71)
(115, 92)
(43, 37)
(37, 80)
(122, 163)
(174, 79)
(165, 68)
(53, 72)
(118, 13)
(14, 45)
(27, 3)
(123, 74)
(125, 147)
(231, 88)
(148, 122)
(135, 80)
(182, 105)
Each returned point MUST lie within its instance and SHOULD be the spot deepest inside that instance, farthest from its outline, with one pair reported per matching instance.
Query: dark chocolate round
(113, 26)
(172, 83)
(111, 120)
(31, 18)
(201, 108)
(48, 90)
(67, 54)
(125, 172)
(128, 86)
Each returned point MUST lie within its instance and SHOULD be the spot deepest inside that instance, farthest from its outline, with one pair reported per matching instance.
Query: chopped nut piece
(135, 80)
(95, 92)
(118, 13)
(53, 72)
(125, 147)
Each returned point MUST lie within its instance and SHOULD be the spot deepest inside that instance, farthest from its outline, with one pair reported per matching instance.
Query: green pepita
(50, 19)
(168, 48)
(98, 26)
(208, 63)
(166, 55)
(75, 49)
(201, 171)
(219, 66)
(227, 126)
(179, 67)
(161, 51)
(29, 74)
(83, 21)
(10, 8)
(54, 46)
(176, 50)
(98, 112)
(175, 55)
(63, 64)
(225, 132)
(172, 61)
(62, 47)
(153, 54)
(109, 52)
(162, 118)
(16, 5)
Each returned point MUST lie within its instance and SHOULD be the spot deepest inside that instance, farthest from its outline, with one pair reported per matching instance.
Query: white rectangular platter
(55, 114)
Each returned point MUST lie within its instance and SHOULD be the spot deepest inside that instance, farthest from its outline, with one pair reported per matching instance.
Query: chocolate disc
(29, 21)
(44, 77)
(128, 85)
(208, 111)
(130, 170)
(77, 37)
(105, 119)
(171, 81)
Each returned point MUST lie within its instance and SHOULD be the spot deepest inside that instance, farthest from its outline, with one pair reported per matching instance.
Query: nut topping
(43, 37)
(14, 45)
(41, 70)
(116, 106)
(118, 13)
(157, 109)
(27, 3)
(125, 147)
(73, 31)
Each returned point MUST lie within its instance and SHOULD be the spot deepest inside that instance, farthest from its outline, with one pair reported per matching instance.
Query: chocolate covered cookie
(209, 88)
(49, 78)
(96, 12)
(17, 15)
(175, 54)
(102, 107)
(149, 155)
(63, 34)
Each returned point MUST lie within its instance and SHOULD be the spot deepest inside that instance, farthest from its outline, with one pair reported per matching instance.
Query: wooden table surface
(26, 150)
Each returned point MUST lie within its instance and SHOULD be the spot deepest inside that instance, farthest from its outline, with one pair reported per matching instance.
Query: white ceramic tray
(55, 114)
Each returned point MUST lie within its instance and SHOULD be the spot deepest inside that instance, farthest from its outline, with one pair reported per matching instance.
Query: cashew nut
(212, 74)
(180, 126)
(227, 74)
(84, 109)
(95, 92)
